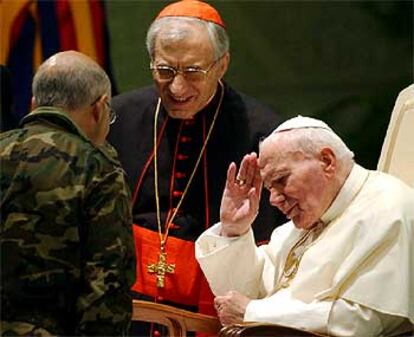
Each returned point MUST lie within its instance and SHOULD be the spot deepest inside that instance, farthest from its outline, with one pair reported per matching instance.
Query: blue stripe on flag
(49, 28)
(20, 63)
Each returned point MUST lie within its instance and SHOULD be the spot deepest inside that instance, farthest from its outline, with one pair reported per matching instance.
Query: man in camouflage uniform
(67, 256)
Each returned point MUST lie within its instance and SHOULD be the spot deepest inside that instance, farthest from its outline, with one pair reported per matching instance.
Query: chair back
(397, 154)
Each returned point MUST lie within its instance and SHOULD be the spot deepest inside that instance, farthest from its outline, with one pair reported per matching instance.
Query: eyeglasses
(192, 74)
(112, 112)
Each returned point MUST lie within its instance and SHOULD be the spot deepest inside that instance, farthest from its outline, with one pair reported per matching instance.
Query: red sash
(186, 285)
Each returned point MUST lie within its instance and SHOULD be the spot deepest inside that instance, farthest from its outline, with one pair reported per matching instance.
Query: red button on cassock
(184, 139)
(181, 156)
(180, 175)
(177, 194)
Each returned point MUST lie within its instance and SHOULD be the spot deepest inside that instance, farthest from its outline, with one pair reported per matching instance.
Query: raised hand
(241, 197)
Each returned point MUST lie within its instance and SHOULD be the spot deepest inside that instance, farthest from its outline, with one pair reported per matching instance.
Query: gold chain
(157, 199)
(293, 259)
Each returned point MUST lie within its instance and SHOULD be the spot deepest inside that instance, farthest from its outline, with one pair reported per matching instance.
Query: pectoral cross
(161, 268)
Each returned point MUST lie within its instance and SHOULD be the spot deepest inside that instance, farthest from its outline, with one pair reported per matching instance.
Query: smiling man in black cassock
(175, 141)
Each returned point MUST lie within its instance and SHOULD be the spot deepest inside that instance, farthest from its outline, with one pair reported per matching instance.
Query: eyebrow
(281, 174)
(276, 174)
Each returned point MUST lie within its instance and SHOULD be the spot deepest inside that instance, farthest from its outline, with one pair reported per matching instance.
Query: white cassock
(355, 279)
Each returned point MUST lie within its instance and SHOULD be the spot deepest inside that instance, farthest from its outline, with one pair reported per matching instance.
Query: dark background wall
(342, 61)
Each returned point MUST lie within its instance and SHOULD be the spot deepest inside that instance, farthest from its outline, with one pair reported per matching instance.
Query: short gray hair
(313, 140)
(72, 84)
(218, 35)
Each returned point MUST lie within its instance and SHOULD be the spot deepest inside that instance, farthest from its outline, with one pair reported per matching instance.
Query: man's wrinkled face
(181, 96)
(297, 182)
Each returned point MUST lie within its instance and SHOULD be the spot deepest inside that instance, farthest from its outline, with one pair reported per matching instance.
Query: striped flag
(33, 30)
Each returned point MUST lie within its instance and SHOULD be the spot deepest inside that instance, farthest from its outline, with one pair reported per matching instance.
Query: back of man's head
(69, 80)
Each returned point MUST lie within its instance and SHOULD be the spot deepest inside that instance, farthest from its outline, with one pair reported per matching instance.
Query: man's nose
(276, 198)
(178, 84)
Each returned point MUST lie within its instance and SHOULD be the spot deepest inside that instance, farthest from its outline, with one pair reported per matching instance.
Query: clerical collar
(347, 193)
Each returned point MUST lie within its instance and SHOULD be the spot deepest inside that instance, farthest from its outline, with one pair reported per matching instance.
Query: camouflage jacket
(67, 255)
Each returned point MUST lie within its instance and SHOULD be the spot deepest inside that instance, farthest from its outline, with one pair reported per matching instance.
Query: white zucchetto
(300, 122)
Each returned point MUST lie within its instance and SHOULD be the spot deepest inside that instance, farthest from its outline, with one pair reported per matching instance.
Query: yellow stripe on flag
(83, 28)
(9, 10)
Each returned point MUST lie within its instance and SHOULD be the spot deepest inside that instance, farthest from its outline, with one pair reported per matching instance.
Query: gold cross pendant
(161, 268)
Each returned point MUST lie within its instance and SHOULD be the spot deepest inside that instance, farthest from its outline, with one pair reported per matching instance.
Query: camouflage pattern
(67, 255)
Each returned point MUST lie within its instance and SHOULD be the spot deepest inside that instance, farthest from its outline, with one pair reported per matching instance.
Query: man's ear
(95, 112)
(98, 109)
(33, 104)
(224, 64)
(328, 160)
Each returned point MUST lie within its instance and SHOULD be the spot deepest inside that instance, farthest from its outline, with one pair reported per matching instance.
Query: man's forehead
(194, 43)
(272, 168)
(278, 152)
(182, 60)
(273, 146)
(272, 156)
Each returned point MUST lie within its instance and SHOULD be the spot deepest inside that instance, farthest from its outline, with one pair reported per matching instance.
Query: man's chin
(181, 114)
(300, 223)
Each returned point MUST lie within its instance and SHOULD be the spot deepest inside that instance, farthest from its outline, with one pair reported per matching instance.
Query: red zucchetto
(192, 8)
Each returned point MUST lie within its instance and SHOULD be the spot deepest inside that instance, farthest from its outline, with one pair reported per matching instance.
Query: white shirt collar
(347, 193)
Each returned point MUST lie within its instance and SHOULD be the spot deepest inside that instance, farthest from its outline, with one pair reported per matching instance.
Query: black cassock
(241, 123)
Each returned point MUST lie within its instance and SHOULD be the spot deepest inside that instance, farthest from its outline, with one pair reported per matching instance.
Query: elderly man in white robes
(344, 263)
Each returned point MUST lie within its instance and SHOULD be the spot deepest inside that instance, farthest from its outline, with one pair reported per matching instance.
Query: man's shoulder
(10, 136)
(384, 202)
(259, 114)
(392, 190)
(142, 96)
(42, 137)
(74, 146)
(49, 145)
(250, 102)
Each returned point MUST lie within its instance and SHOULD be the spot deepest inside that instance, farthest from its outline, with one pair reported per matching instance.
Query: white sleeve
(281, 308)
(229, 263)
(352, 319)
(338, 318)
